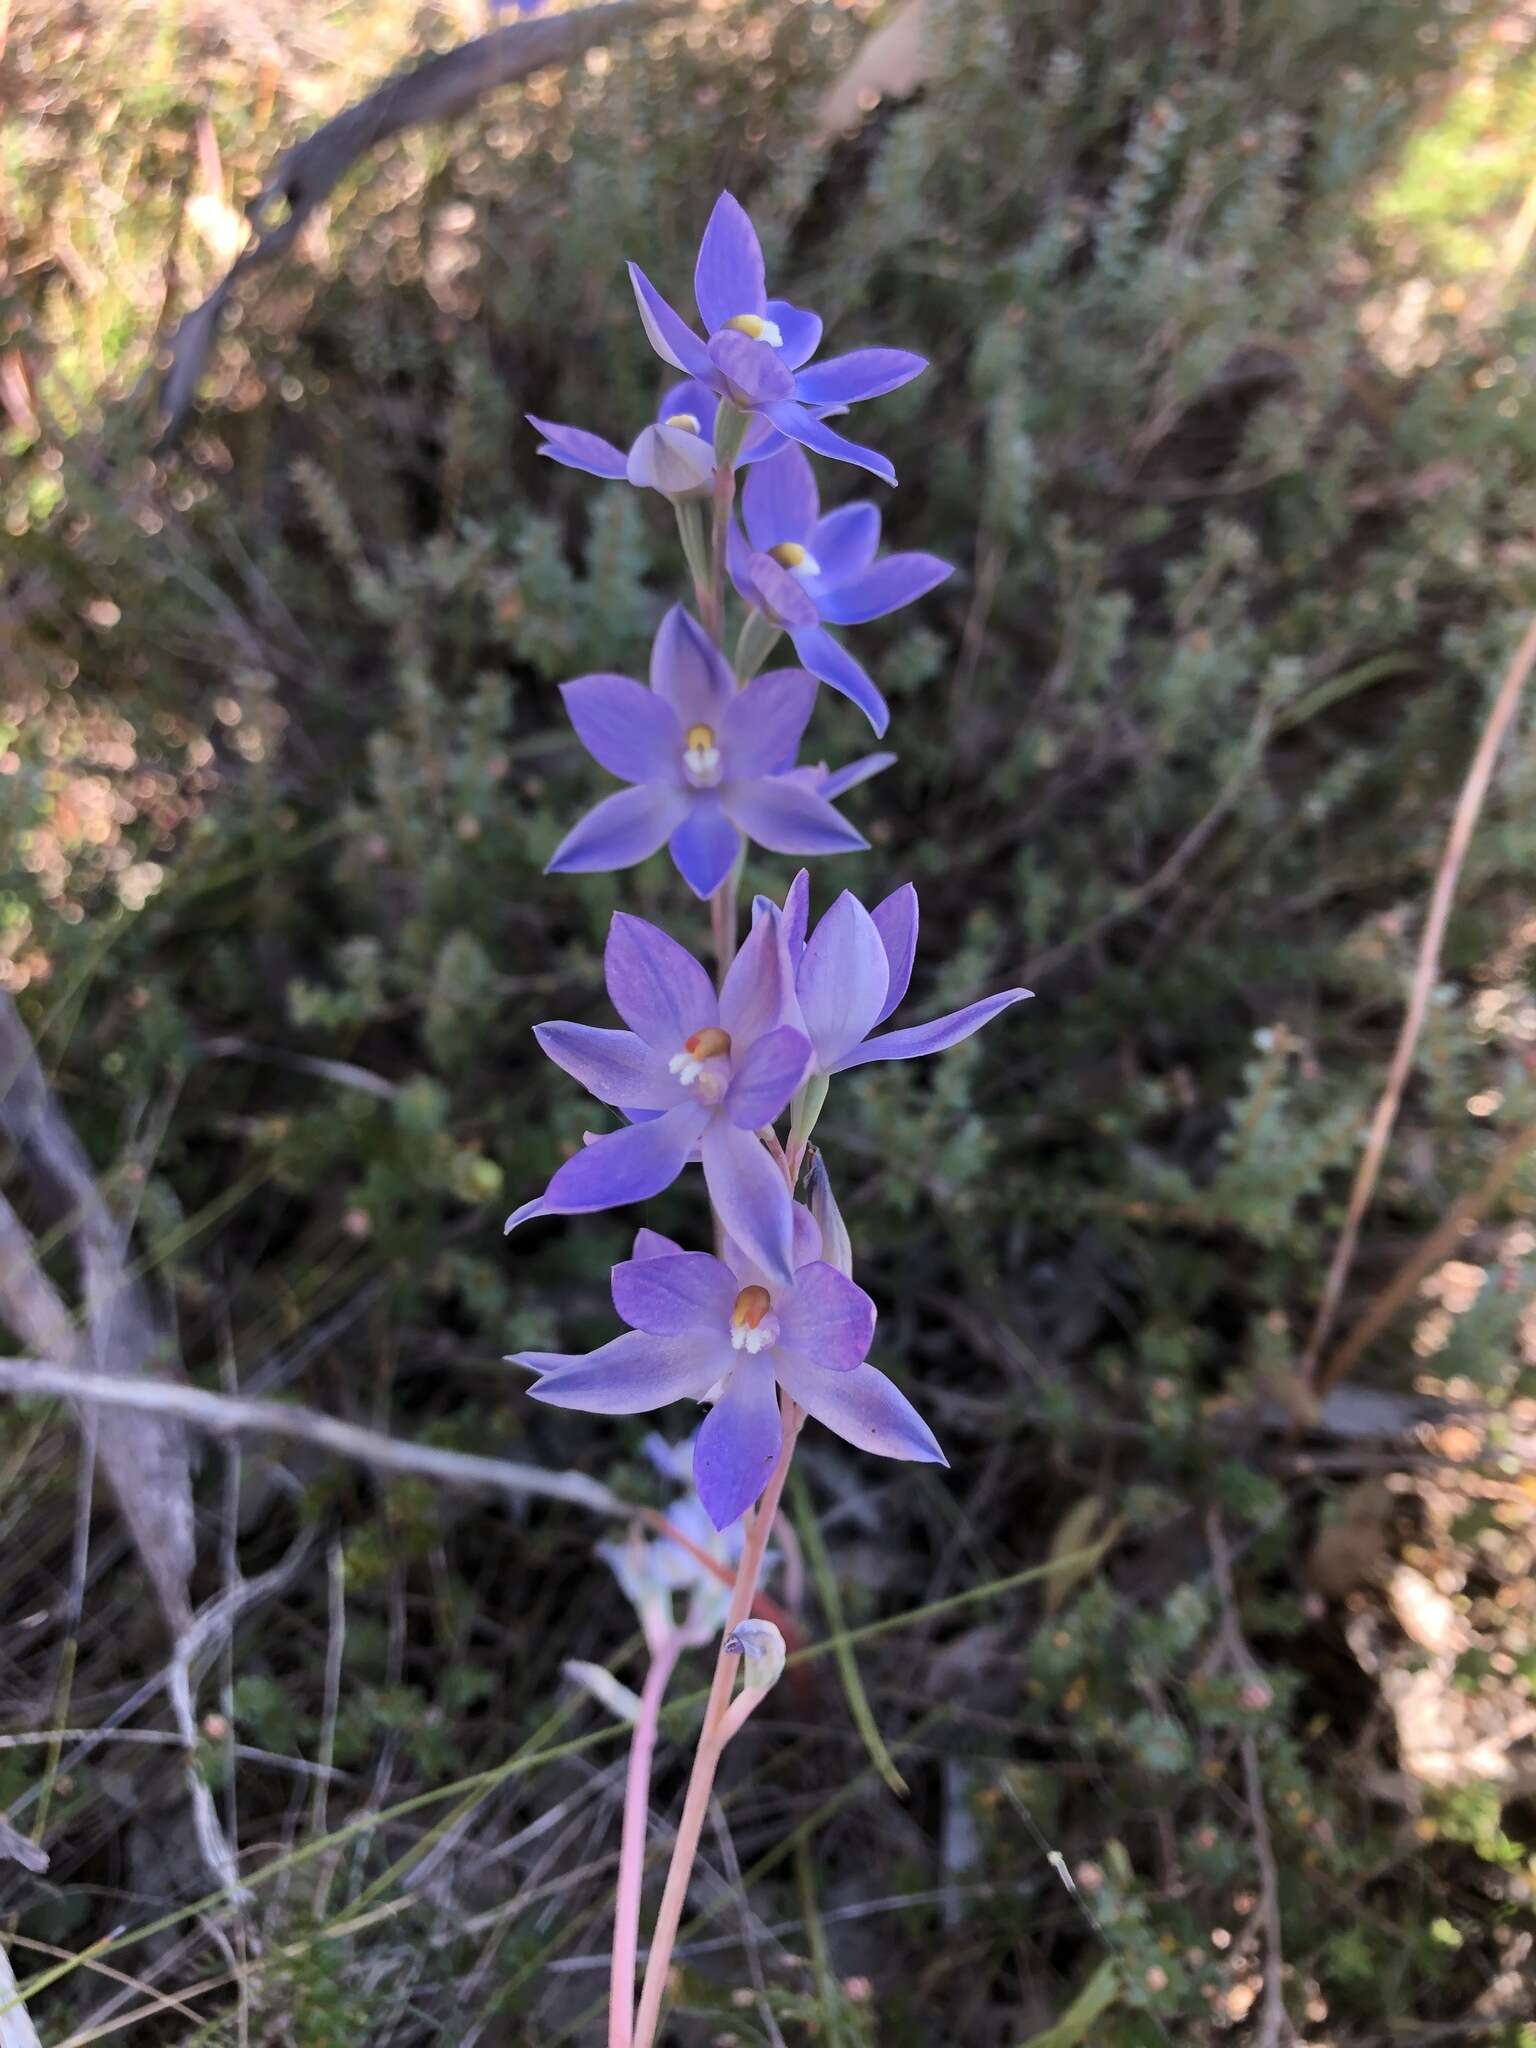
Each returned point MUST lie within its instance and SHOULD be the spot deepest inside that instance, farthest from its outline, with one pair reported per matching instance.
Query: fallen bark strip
(233, 1414)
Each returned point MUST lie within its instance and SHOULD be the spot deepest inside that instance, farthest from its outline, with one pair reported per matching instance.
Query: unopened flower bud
(608, 1691)
(761, 1649)
(673, 461)
(836, 1245)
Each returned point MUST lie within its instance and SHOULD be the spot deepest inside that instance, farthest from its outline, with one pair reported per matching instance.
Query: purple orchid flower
(853, 971)
(708, 763)
(799, 569)
(758, 347)
(728, 1329)
(696, 1074)
(674, 455)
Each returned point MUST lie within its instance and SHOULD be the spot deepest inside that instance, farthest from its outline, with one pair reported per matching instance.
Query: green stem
(695, 540)
(757, 640)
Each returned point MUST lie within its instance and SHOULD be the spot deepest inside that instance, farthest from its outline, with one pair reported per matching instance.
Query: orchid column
(770, 1327)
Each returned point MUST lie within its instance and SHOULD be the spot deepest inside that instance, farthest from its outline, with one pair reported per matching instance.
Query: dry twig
(441, 89)
(224, 1414)
(144, 1454)
(1426, 972)
(1274, 2023)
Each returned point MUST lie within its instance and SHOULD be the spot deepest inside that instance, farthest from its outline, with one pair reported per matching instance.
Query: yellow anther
(688, 421)
(700, 737)
(749, 323)
(788, 554)
(752, 1304)
(710, 1043)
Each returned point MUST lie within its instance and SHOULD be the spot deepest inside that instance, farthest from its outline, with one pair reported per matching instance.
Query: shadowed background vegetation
(1230, 431)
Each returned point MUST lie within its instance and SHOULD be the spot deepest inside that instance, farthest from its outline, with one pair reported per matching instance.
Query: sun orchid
(696, 1073)
(758, 348)
(730, 1331)
(852, 972)
(803, 571)
(707, 764)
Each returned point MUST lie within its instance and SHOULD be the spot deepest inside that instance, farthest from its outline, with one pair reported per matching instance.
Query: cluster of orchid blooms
(770, 1326)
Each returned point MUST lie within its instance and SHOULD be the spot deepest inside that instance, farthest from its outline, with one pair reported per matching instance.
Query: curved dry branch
(439, 90)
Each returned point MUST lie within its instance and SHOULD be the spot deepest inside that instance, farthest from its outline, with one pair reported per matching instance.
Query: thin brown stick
(1274, 2022)
(1439, 1245)
(224, 1414)
(1425, 974)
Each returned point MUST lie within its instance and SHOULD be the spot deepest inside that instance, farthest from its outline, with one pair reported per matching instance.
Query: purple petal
(636, 1372)
(670, 335)
(766, 1076)
(728, 276)
(801, 331)
(615, 1066)
(829, 659)
(762, 727)
(802, 426)
(781, 814)
(671, 1296)
(845, 542)
(626, 1166)
(841, 981)
(806, 1243)
(833, 785)
(692, 396)
(626, 728)
(738, 1443)
(672, 461)
(759, 990)
(779, 593)
(863, 1406)
(656, 985)
(738, 560)
(898, 580)
(546, 1361)
(751, 370)
(797, 912)
(704, 847)
(524, 1214)
(825, 1318)
(896, 922)
(578, 449)
(844, 380)
(779, 501)
(619, 831)
(651, 1244)
(749, 1196)
(688, 670)
(920, 1039)
(760, 441)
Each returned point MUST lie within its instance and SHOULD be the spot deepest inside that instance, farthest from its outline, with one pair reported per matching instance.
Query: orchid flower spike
(758, 348)
(707, 764)
(801, 570)
(698, 1075)
(675, 455)
(729, 1330)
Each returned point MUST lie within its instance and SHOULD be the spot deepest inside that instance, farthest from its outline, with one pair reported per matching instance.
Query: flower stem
(712, 1741)
(637, 1801)
(690, 530)
(723, 918)
(725, 492)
